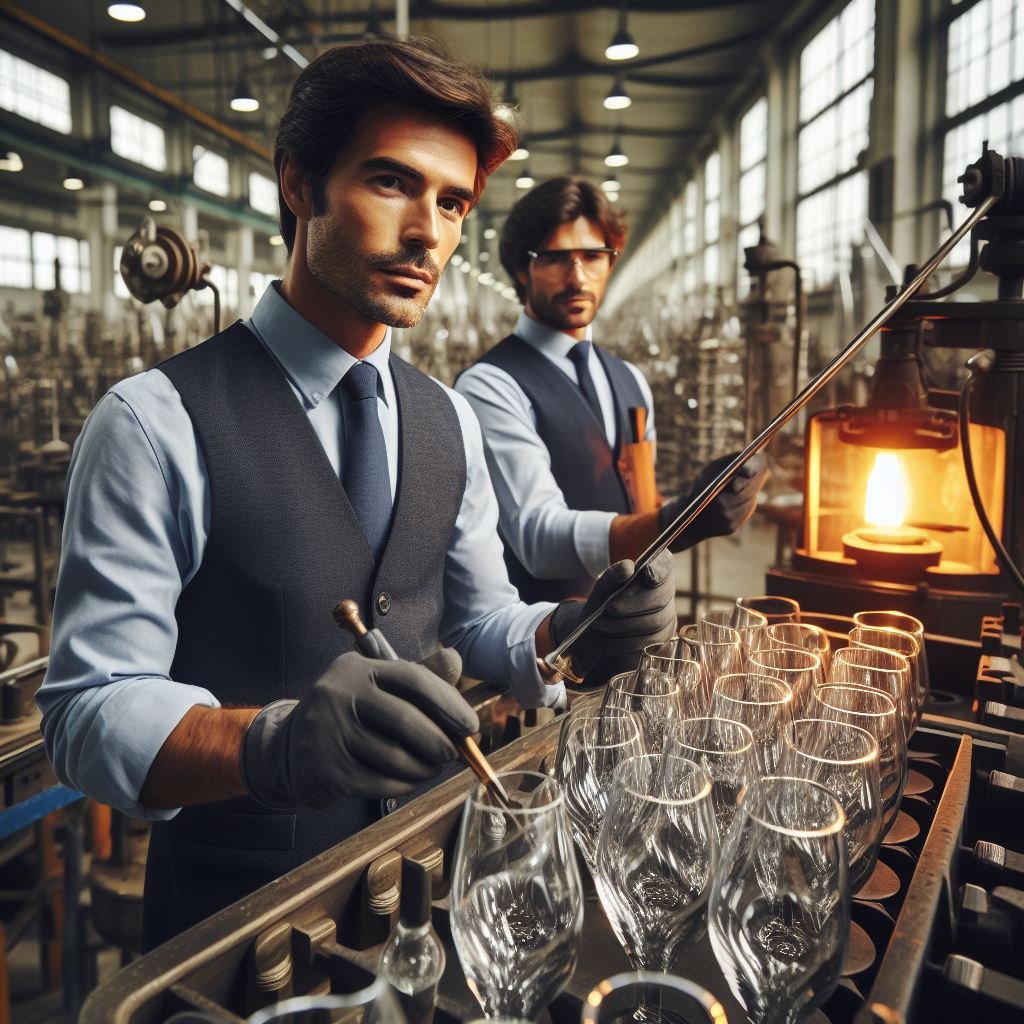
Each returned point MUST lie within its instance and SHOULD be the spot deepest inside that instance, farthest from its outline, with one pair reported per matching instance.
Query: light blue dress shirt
(138, 514)
(551, 540)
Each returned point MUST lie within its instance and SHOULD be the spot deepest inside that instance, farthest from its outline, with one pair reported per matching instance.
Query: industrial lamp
(242, 99)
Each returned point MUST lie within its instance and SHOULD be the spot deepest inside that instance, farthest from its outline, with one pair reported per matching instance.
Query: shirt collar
(545, 338)
(310, 360)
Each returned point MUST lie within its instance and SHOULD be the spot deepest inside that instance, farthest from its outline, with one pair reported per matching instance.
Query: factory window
(35, 94)
(210, 171)
(73, 254)
(712, 216)
(985, 56)
(226, 280)
(120, 288)
(259, 283)
(137, 139)
(836, 86)
(753, 166)
(263, 194)
(690, 218)
(15, 258)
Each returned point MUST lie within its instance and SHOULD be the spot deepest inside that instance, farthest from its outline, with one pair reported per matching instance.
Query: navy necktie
(366, 479)
(579, 354)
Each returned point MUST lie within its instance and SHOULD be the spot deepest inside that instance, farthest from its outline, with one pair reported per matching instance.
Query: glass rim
(327, 1001)
(677, 725)
(639, 693)
(834, 827)
(709, 617)
(918, 624)
(901, 664)
(872, 690)
(703, 794)
(607, 986)
(787, 689)
(889, 630)
(816, 663)
(603, 714)
(809, 627)
(558, 799)
(874, 750)
(794, 604)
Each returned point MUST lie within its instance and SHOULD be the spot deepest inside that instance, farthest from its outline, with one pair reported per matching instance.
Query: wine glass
(774, 609)
(763, 704)
(656, 856)
(516, 899)
(615, 999)
(780, 907)
(591, 745)
(877, 713)
(672, 660)
(748, 624)
(717, 657)
(909, 624)
(879, 668)
(800, 670)
(902, 643)
(844, 759)
(801, 635)
(725, 750)
(655, 700)
(375, 1004)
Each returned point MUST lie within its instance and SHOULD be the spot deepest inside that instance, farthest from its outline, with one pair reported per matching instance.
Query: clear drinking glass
(774, 609)
(764, 705)
(902, 643)
(671, 998)
(725, 750)
(801, 635)
(800, 670)
(876, 712)
(656, 857)
(673, 660)
(844, 759)
(654, 700)
(884, 670)
(719, 626)
(591, 746)
(717, 658)
(516, 899)
(780, 907)
(375, 1004)
(909, 624)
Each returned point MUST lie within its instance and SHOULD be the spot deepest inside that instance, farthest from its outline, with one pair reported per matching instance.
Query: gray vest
(584, 465)
(255, 622)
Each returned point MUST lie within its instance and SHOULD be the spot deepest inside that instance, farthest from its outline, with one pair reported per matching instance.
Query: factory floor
(737, 566)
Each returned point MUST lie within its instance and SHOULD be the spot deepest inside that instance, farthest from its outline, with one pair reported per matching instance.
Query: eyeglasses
(592, 262)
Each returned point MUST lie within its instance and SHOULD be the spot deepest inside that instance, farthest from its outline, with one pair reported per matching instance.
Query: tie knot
(580, 353)
(361, 382)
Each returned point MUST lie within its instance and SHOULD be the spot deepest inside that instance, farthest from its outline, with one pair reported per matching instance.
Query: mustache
(418, 258)
(574, 293)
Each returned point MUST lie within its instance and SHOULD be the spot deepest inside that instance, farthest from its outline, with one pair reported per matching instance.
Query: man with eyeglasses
(554, 407)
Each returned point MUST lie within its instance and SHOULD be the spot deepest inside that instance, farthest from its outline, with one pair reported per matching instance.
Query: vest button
(383, 602)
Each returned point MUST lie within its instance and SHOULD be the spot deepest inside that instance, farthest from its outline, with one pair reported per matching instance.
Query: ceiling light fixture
(611, 184)
(11, 161)
(490, 233)
(126, 12)
(157, 205)
(623, 45)
(242, 99)
(617, 98)
(520, 152)
(275, 240)
(616, 157)
(73, 184)
(525, 180)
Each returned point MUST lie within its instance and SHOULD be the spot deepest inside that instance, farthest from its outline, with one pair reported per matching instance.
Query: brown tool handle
(636, 464)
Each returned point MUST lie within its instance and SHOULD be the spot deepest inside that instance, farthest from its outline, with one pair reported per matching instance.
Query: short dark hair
(336, 89)
(543, 209)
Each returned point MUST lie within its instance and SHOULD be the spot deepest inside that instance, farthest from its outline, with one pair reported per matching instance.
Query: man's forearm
(630, 535)
(199, 761)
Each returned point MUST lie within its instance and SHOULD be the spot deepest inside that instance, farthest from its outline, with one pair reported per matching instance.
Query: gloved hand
(366, 728)
(643, 614)
(728, 512)
(444, 662)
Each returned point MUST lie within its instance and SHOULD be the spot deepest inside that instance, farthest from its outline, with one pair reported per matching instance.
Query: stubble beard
(550, 312)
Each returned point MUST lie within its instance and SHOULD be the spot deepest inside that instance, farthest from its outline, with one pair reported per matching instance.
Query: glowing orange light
(888, 492)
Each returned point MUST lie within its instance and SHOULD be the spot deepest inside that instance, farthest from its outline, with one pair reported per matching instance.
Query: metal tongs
(558, 663)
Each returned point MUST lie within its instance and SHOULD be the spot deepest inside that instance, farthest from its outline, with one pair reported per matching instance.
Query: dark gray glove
(643, 614)
(366, 728)
(728, 512)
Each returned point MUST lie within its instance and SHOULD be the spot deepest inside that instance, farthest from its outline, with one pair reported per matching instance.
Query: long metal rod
(558, 659)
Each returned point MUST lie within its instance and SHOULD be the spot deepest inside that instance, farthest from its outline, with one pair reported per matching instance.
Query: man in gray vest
(219, 505)
(554, 407)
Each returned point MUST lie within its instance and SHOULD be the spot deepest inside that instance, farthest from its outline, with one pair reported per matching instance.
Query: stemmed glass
(672, 660)
(725, 750)
(800, 670)
(774, 609)
(801, 635)
(844, 759)
(717, 657)
(375, 1004)
(656, 857)
(902, 643)
(516, 899)
(761, 703)
(721, 625)
(611, 1000)
(884, 670)
(909, 624)
(654, 700)
(780, 908)
(591, 745)
(876, 712)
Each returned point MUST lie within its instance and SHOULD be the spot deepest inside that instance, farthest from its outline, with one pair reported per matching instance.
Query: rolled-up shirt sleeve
(131, 531)
(484, 620)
